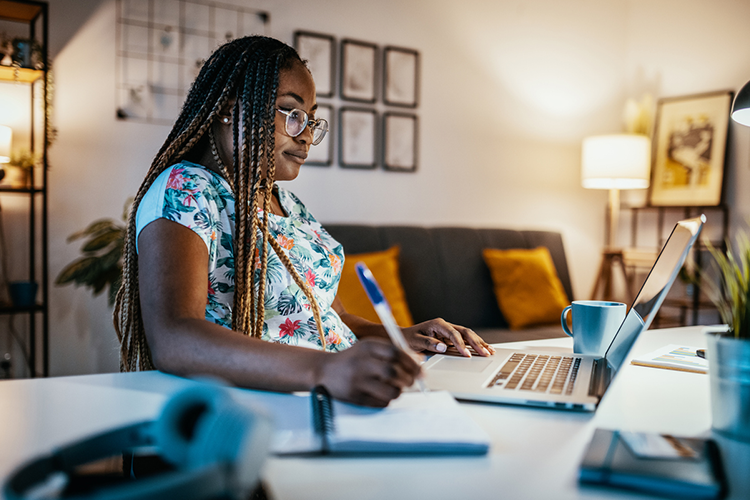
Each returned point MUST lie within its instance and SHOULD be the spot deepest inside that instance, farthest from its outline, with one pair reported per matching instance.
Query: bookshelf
(30, 17)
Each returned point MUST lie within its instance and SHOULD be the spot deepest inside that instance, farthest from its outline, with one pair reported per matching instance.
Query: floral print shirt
(202, 201)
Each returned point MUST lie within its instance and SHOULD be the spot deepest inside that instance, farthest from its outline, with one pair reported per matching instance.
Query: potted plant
(101, 264)
(729, 349)
(19, 168)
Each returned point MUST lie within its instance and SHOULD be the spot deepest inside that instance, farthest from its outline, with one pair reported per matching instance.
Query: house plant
(729, 349)
(101, 264)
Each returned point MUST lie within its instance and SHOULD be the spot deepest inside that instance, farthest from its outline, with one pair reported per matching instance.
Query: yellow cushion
(384, 267)
(527, 287)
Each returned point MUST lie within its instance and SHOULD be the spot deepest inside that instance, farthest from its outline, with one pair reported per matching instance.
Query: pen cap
(369, 284)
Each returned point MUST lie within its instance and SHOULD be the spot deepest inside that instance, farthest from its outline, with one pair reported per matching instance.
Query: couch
(444, 275)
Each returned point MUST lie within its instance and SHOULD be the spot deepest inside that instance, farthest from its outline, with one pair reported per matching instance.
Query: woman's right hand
(372, 372)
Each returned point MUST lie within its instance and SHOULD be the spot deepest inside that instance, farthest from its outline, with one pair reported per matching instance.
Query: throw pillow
(384, 267)
(527, 287)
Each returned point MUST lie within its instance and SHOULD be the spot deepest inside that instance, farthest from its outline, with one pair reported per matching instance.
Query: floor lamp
(614, 162)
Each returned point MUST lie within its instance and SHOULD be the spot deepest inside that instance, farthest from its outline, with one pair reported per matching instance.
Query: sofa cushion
(384, 267)
(527, 288)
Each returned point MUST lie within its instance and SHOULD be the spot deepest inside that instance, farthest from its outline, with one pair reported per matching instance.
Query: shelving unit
(679, 309)
(34, 15)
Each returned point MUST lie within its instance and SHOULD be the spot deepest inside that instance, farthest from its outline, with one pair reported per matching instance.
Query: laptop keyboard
(539, 373)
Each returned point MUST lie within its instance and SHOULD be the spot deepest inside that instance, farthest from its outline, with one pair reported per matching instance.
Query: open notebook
(414, 423)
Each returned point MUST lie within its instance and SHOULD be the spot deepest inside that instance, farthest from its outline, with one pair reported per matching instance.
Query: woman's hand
(372, 372)
(437, 335)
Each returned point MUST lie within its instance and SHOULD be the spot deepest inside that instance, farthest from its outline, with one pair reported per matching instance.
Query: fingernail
(486, 351)
(467, 352)
(441, 347)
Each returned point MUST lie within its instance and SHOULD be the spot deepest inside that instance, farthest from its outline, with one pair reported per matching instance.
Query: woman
(200, 221)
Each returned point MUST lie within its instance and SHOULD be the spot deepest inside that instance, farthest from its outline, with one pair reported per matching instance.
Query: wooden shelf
(11, 309)
(19, 11)
(25, 75)
(21, 190)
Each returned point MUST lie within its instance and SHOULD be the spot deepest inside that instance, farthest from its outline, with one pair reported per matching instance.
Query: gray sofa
(444, 274)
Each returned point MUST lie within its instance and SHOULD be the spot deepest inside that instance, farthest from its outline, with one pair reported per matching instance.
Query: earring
(225, 120)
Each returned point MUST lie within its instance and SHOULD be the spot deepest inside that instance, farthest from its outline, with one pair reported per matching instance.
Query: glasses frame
(310, 123)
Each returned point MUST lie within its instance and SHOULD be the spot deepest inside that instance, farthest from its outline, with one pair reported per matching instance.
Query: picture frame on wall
(357, 138)
(400, 141)
(322, 154)
(320, 53)
(689, 150)
(401, 77)
(358, 67)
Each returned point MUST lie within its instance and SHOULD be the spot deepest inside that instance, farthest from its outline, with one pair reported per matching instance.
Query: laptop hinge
(602, 375)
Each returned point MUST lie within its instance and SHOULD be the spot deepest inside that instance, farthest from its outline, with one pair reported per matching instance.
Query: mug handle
(563, 320)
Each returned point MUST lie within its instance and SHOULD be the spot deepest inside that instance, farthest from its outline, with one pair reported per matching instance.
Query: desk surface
(534, 453)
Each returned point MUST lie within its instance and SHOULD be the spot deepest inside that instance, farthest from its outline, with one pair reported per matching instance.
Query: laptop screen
(654, 289)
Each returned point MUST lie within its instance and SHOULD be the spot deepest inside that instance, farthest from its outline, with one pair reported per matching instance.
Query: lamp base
(612, 258)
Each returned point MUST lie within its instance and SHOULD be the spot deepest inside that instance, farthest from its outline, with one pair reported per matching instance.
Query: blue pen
(386, 316)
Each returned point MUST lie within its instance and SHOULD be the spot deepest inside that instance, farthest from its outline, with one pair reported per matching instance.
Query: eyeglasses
(297, 120)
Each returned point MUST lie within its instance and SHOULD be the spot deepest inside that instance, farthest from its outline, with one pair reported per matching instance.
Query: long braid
(246, 68)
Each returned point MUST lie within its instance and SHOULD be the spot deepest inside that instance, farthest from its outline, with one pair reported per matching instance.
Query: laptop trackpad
(462, 365)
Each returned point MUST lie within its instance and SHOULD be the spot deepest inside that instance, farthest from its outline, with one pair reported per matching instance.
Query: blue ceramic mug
(595, 323)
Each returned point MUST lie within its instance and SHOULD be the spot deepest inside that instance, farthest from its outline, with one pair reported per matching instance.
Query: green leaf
(103, 240)
(93, 228)
(77, 271)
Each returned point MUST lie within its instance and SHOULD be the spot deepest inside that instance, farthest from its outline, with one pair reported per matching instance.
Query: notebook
(414, 423)
(687, 468)
(563, 380)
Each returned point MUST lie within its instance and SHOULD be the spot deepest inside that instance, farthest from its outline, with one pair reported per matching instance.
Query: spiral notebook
(414, 423)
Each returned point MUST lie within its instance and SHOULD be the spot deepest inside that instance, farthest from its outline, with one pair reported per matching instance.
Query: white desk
(534, 453)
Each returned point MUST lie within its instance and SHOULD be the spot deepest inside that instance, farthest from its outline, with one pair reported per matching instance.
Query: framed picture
(400, 136)
(322, 154)
(357, 129)
(689, 150)
(358, 71)
(320, 53)
(401, 77)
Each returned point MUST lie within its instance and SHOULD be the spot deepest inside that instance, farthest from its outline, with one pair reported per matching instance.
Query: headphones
(216, 446)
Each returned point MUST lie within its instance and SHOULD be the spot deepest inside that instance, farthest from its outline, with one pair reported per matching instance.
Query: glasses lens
(295, 122)
(319, 131)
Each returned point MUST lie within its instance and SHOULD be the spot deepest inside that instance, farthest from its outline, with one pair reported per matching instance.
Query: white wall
(509, 89)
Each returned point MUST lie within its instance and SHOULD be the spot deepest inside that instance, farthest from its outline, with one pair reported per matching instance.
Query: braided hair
(246, 69)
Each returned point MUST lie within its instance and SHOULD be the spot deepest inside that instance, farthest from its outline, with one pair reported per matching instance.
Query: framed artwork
(320, 53)
(357, 137)
(401, 77)
(689, 150)
(358, 71)
(322, 154)
(400, 137)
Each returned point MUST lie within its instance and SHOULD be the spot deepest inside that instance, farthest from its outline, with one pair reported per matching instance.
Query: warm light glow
(6, 140)
(621, 161)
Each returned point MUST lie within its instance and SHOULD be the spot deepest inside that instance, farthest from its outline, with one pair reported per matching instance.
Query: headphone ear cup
(178, 427)
(239, 437)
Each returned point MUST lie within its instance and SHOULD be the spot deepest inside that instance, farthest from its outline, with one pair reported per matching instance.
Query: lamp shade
(6, 139)
(741, 106)
(619, 161)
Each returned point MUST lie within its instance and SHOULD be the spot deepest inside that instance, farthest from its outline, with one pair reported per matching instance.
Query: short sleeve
(187, 196)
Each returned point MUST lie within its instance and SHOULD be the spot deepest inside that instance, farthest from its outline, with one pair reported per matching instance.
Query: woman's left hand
(437, 335)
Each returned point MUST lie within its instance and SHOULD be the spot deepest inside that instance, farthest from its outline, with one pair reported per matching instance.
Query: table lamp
(741, 106)
(614, 162)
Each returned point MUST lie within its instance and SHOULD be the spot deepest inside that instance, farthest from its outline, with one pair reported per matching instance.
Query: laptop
(564, 381)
